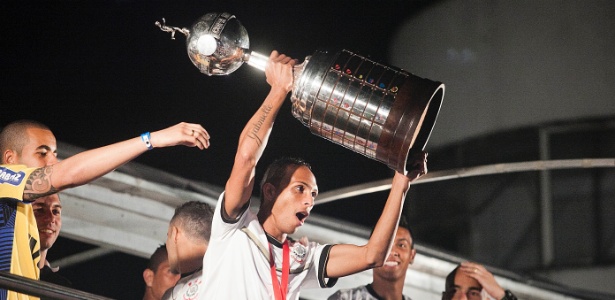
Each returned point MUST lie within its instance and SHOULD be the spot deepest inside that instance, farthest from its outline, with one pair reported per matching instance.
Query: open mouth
(301, 216)
(47, 231)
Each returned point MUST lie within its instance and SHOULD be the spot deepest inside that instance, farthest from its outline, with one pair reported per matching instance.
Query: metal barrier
(38, 288)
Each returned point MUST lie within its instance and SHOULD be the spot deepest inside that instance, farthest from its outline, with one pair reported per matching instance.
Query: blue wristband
(145, 137)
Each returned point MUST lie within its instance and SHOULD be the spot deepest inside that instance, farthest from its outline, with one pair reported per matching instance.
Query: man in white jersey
(249, 255)
(187, 239)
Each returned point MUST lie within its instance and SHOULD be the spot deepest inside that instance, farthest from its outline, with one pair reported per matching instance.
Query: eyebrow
(43, 205)
(45, 147)
(470, 288)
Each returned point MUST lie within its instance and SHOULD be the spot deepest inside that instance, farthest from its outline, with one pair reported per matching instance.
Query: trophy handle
(259, 61)
(256, 60)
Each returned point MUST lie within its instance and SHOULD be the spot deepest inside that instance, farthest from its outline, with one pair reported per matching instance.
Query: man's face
(40, 150)
(295, 201)
(402, 255)
(48, 214)
(466, 287)
(163, 279)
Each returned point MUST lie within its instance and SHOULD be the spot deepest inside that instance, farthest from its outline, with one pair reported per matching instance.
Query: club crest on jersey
(193, 289)
(11, 177)
(298, 252)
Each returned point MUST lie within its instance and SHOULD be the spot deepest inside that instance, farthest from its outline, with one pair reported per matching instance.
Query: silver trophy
(379, 111)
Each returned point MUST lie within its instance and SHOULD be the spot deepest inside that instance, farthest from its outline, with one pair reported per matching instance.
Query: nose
(48, 216)
(308, 201)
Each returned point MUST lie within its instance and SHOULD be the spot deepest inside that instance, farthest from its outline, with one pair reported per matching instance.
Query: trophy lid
(217, 43)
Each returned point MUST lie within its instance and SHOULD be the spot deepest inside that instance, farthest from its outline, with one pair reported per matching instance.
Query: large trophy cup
(379, 111)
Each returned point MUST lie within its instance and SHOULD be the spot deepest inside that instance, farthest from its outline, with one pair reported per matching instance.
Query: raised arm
(254, 137)
(345, 259)
(86, 166)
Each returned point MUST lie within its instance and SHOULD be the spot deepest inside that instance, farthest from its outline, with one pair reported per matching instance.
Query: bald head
(27, 143)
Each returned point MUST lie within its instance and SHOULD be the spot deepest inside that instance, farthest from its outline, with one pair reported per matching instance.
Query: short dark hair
(159, 256)
(13, 136)
(449, 283)
(280, 169)
(195, 218)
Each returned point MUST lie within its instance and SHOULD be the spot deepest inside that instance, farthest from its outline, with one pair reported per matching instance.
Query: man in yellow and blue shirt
(29, 169)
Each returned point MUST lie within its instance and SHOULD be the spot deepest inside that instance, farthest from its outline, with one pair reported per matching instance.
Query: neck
(43, 260)
(148, 294)
(194, 260)
(191, 266)
(389, 290)
(271, 230)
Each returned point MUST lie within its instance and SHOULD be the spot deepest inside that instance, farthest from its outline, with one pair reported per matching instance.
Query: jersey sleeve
(13, 179)
(317, 275)
(222, 225)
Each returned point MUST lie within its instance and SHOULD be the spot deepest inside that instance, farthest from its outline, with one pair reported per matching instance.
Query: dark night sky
(98, 72)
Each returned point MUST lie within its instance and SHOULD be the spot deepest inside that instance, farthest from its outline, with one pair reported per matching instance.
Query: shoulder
(188, 287)
(349, 294)
(13, 179)
(48, 275)
(221, 215)
(508, 295)
(14, 174)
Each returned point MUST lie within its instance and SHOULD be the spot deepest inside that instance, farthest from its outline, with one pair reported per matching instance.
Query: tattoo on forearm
(259, 123)
(39, 184)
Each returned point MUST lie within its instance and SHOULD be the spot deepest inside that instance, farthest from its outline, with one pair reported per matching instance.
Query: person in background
(158, 276)
(187, 240)
(471, 281)
(48, 214)
(388, 280)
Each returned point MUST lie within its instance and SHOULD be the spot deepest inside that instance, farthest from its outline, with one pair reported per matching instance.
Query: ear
(269, 191)
(9, 157)
(148, 277)
(175, 234)
(412, 254)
